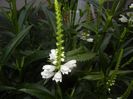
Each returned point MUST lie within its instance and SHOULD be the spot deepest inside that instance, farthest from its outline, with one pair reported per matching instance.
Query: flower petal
(123, 19)
(90, 40)
(49, 68)
(57, 77)
(65, 69)
(47, 75)
(52, 55)
(71, 64)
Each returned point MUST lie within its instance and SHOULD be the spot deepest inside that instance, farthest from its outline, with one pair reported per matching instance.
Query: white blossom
(57, 77)
(131, 6)
(123, 19)
(48, 71)
(52, 55)
(48, 68)
(65, 69)
(71, 64)
(90, 40)
(46, 74)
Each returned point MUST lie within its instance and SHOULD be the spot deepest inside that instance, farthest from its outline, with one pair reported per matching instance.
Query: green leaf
(13, 44)
(105, 42)
(75, 51)
(36, 55)
(121, 72)
(117, 5)
(95, 76)
(128, 91)
(90, 26)
(36, 90)
(50, 17)
(3, 88)
(126, 43)
(127, 62)
(80, 55)
(24, 14)
(128, 51)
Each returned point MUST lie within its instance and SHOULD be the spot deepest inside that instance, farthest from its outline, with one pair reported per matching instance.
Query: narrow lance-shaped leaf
(23, 15)
(50, 17)
(80, 55)
(36, 90)
(128, 91)
(94, 76)
(13, 44)
(34, 56)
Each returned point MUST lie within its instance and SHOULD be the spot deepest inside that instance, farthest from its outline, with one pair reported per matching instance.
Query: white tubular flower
(131, 6)
(65, 69)
(48, 71)
(52, 55)
(46, 74)
(123, 19)
(90, 40)
(48, 68)
(57, 77)
(70, 64)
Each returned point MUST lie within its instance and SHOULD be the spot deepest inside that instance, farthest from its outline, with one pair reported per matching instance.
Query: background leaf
(13, 44)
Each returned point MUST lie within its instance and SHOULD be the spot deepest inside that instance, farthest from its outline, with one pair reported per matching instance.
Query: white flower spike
(57, 77)
(123, 19)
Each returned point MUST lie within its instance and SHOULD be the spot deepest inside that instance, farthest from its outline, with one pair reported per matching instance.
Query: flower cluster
(57, 55)
(51, 70)
(128, 18)
(110, 83)
(86, 37)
